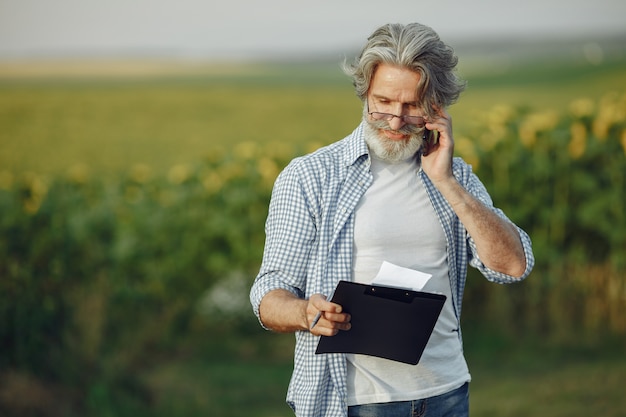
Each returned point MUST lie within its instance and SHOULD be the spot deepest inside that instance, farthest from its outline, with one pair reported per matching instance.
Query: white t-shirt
(396, 222)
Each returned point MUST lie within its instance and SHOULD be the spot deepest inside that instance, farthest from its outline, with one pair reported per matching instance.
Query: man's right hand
(331, 320)
(284, 312)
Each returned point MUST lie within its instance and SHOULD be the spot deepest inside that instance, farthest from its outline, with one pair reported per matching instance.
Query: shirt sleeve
(290, 232)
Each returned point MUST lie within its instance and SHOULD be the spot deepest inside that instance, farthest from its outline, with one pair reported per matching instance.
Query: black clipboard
(387, 322)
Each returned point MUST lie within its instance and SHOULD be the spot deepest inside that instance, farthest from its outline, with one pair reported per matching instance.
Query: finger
(337, 317)
(318, 308)
(329, 331)
(336, 327)
(441, 111)
(331, 324)
(321, 304)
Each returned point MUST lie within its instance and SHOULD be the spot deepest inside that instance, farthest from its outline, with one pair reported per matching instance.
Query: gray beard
(389, 150)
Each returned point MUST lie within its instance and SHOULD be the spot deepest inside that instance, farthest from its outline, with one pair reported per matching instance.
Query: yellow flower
(582, 107)
(268, 170)
(278, 149)
(246, 150)
(612, 110)
(492, 136)
(37, 190)
(578, 143)
(141, 173)
(500, 115)
(178, 174)
(536, 123)
(466, 149)
(212, 182)
(231, 171)
(601, 127)
(527, 134)
(78, 173)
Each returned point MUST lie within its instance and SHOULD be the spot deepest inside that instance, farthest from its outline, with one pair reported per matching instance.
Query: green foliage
(562, 178)
(98, 277)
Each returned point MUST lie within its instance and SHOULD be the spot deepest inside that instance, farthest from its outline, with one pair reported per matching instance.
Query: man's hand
(282, 311)
(331, 319)
(437, 157)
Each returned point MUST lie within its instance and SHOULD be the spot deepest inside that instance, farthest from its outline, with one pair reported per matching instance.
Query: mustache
(405, 130)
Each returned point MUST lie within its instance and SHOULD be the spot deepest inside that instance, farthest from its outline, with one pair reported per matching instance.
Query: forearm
(283, 312)
(497, 240)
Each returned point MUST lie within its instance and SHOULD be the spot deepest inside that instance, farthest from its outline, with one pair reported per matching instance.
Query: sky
(249, 28)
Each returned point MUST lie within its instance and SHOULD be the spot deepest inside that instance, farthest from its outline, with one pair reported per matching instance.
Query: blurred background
(139, 142)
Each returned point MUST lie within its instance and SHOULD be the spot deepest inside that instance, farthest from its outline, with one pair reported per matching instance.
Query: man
(387, 192)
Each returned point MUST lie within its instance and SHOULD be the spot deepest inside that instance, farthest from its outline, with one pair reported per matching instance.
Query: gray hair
(415, 47)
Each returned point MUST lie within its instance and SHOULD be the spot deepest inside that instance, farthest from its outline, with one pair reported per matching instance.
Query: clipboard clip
(396, 294)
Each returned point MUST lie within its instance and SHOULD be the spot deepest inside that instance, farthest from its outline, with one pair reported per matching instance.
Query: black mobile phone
(430, 140)
(428, 137)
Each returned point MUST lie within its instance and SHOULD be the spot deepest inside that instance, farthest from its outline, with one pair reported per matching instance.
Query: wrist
(283, 312)
(452, 191)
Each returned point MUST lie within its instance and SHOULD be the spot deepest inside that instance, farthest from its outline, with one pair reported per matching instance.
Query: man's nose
(396, 123)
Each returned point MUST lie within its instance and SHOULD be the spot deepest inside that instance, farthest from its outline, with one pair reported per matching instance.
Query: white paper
(396, 276)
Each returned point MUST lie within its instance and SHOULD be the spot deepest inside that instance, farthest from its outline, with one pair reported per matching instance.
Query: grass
(506, 383)
(249, 375)
(222, 388)
(571, 389)
(542, 385)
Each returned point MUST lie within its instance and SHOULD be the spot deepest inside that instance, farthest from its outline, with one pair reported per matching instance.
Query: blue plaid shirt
(309, 244)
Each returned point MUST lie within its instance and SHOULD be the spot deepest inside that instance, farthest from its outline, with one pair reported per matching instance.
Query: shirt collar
(356, 146)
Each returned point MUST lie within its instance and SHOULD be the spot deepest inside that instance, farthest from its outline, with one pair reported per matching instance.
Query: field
(111, 124)
(133, 203)
(549, 387)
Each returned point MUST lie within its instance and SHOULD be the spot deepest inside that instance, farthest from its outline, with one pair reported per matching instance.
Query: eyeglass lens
(413, 120)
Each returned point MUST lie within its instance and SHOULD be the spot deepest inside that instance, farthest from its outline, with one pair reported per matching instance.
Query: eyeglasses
(410, 120)
(418, 121)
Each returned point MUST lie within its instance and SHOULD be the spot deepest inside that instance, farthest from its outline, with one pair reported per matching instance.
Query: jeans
(452, 404)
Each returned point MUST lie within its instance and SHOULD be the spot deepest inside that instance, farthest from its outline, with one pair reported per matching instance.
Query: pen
(319, 313)
(316, 319)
